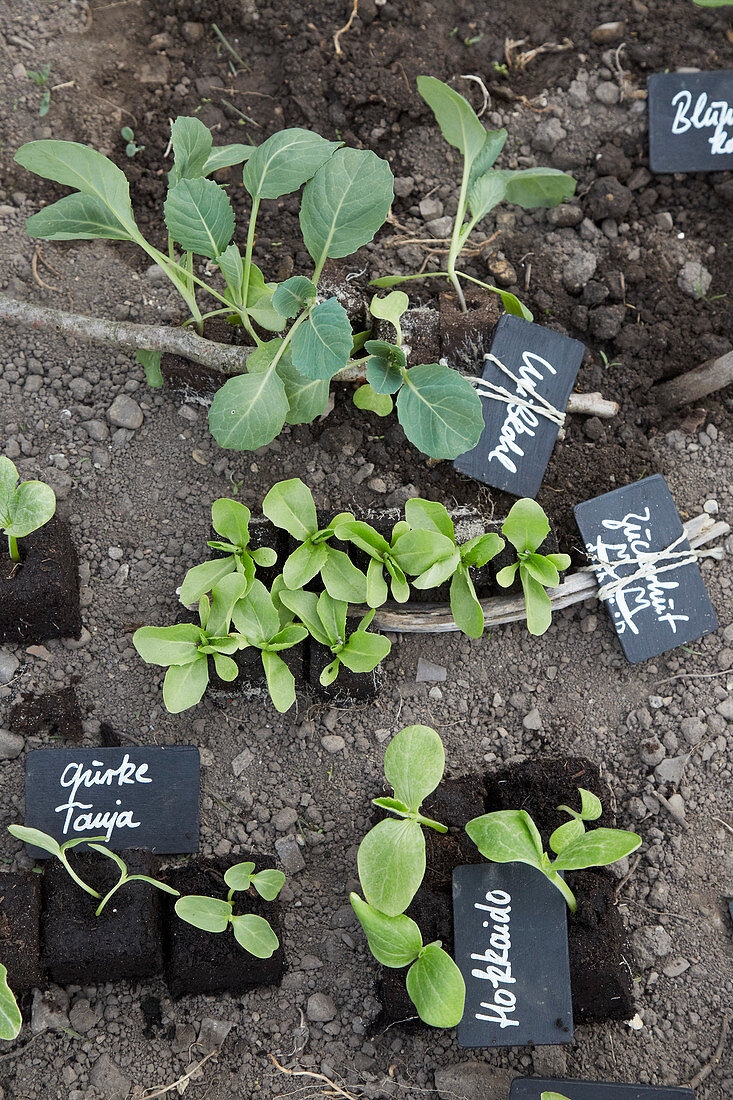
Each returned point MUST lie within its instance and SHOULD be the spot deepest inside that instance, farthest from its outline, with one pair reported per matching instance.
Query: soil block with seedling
(124, 941)
(20, 946)
(214, 962)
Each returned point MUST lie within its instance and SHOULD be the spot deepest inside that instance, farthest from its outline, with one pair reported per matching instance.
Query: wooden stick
(436, 618)
(695, 384)
(708, 1069)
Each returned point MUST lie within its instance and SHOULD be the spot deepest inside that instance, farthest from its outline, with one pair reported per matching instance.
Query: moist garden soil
(138, 504)
(39, 595)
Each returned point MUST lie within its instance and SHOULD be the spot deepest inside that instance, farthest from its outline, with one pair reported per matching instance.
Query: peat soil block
(53, 715)
(206, 962)
(124, 942)
(39, 596)
(20, 908)
(600, 957)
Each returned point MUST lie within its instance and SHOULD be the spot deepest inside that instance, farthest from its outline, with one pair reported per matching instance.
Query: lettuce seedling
(434, 982)
(11, 1020)
(42, 840)
(289, 505)
(271, 630)
(526, 527)
(482, 187)
(23, 508)
(439, 410)
(391, 857)
(251, 932)
(427, 556)
(231, 520)
(325, 620)
(466, 608)
(511, 836)
(185, 648)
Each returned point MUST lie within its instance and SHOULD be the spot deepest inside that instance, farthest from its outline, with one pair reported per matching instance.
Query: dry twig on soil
(707, 1069)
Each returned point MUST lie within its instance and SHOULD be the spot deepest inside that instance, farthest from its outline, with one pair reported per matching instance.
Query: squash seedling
(511, 836)
(466, 609)
(24, 507)
(391, 857)
(526, 527)
(11, 1020)
(184, 649)
(325, 620)
(289, 505)
(434, 983)
(251, 931)
(230, 519)
(271, 630)
(482, 187)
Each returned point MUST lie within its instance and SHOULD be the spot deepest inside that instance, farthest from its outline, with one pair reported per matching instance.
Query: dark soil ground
(138, 502)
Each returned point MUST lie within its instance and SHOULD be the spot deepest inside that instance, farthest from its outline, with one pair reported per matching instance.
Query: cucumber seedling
(251, 931)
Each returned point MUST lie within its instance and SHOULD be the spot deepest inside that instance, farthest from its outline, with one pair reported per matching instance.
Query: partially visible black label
(691, 121)
(511, 945)
(670, 606)
(516, 443)
(531, 1088)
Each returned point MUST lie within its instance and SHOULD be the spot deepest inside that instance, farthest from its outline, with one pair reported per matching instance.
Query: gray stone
(333, 743)
(290, 855)
(11, 745)
(8, 667)
(473, 1081)
(431, 207)
(125, 413)
(213, 1033)
(321, 1009)
(694, 279)
(547, 134)
(607, 93)
(427, 672)
(193, 32)
(676, 967)
(440, 227)
(82, 1016)
(651, 943)
(671, 770)
(652, 752)
(726, 709)
(533, 720)
(284, 819)
(107, 1076)
(578, 271)
(403, 186)
(242, 762)
(693, 729)
(96, 430)
(50, 1010)
(183, 1039)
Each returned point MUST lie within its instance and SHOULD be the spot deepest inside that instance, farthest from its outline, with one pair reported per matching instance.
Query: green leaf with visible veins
(391, 864)
(440, 411)
(436, 988)
(192, 142)
(457, 119)
(507, 836)
(393, 941)
(290, 296)
(77, 217)
(199, 217)
(11, 1020)
(249, 410)
(320, 347)
(366, 398)
(414, 763)
(285, 161)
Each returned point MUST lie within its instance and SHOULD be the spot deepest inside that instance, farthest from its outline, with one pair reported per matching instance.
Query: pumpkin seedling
(251, 931)
(325, 620)
(23, 508)
(289, 505)
(230, 519)
(270, 629)
(391, 857)
(511, 836)
(466, 609)
(11, 1020)
(526, 528)
(434, 983)
(185, 648)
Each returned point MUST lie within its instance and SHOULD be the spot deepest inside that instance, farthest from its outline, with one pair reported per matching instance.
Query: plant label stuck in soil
(138, 797)
(511, 945)
(691, 121)
(517, 440)
(647, 573)
(531, 1088)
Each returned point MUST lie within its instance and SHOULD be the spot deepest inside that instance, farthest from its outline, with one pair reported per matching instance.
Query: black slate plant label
(511, 945)
(531, 1088)
(516, 443)
(691, 121)
(137, 797)
(666, 609)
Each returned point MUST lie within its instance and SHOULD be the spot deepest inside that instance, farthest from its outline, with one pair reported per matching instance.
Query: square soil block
(207, 962)
(600, 957)
(20, 944)
(39, 596)
(124, 942)
(540, 785)
(56, 714)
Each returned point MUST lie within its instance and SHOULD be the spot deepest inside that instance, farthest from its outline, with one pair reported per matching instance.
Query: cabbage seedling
(526, 527)
(511, 836)
(11, 1020)
(325, 620)
(185, 648)
(466, 608)
(482, 187)
(289, 505)
(434, 982)
(230, 519)
(391, 857)
(42, 840)
(23, 508)
(251, 932)
(267, 628)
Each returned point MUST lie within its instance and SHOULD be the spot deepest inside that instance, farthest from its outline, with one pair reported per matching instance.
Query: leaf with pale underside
(393, 941)
(507, 836)
(11, 1020)
(249, 410)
